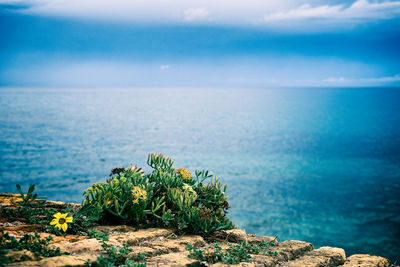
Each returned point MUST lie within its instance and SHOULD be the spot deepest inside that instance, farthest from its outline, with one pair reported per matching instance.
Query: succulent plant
(167, 196)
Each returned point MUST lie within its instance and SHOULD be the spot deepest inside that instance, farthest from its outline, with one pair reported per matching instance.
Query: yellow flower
(185, 173)
(138, 193)
(61, 221)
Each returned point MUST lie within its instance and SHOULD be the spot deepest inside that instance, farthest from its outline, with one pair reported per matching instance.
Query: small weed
(29, 198)
(29, 242)
(234, 254)
(35, 215)
(115, 256)
(118, 257)
(98, 235)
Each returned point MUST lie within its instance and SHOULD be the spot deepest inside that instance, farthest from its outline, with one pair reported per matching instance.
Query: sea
(315, 164)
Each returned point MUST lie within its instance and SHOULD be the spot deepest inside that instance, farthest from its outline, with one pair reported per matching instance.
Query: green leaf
(31, 189)
(20, 191)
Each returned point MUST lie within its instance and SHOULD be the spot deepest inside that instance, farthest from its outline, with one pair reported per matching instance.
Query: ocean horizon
(315, 164)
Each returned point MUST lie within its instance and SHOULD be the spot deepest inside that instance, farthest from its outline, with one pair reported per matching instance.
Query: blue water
(320, 165)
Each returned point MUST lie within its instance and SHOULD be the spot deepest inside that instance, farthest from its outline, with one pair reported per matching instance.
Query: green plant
(116, 256)
(34, 215)
(166, 196)
(234, 254)
(29, 242)
(83, 217)
(98, 235)
(29, 198)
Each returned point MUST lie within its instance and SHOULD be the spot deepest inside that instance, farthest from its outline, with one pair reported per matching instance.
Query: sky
(196, 43)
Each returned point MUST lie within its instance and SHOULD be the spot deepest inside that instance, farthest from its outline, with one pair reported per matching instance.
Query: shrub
(167, 196)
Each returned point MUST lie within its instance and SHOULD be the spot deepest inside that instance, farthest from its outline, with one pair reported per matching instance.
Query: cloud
(335, 80)
(305, 11)
(164, 67)
(267, 13)
(378, 80)
(358, 11)
(196, 14)
(47, 70)
(154, 11)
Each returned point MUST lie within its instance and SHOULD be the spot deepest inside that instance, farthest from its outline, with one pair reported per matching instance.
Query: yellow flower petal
(54, 221)
(57, 215)
(69, 219)
(64, 227)
(58, 226)
(64, 215)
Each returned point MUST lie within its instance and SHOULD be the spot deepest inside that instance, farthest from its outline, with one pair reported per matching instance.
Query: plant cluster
(119, 257)
(35, 215)
(166, 196)
(28, 208)
(33, 243)
(79, 220)
(234, 254)
(114, 256)
(98, 235)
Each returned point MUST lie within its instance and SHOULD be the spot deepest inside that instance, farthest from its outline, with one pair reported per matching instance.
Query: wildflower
(138, 193)
(61, 221)
(185, 173)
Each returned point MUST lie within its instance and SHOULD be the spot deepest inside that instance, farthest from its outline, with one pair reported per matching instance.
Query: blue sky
(261, 43)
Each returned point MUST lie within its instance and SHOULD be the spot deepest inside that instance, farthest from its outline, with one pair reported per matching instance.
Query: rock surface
(366, 260)
(164, 247)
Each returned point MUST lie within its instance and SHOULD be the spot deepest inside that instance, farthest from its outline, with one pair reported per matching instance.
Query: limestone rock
(147, 250)
(166, 245)
(8, 199)
(11, 224)
(67, 238)
(173, 259)
(20, 255)
(59, 261)
(135, 237)
(287, 251)
(22, 229)
(259, 239)
(322, 257)
(235, 235)
(366, 260)
(164, 248)
(82, 246)
(114, 229)
(291, 249)
(242, 264)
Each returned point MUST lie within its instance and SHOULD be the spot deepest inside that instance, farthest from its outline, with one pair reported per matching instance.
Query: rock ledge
(165, 248)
